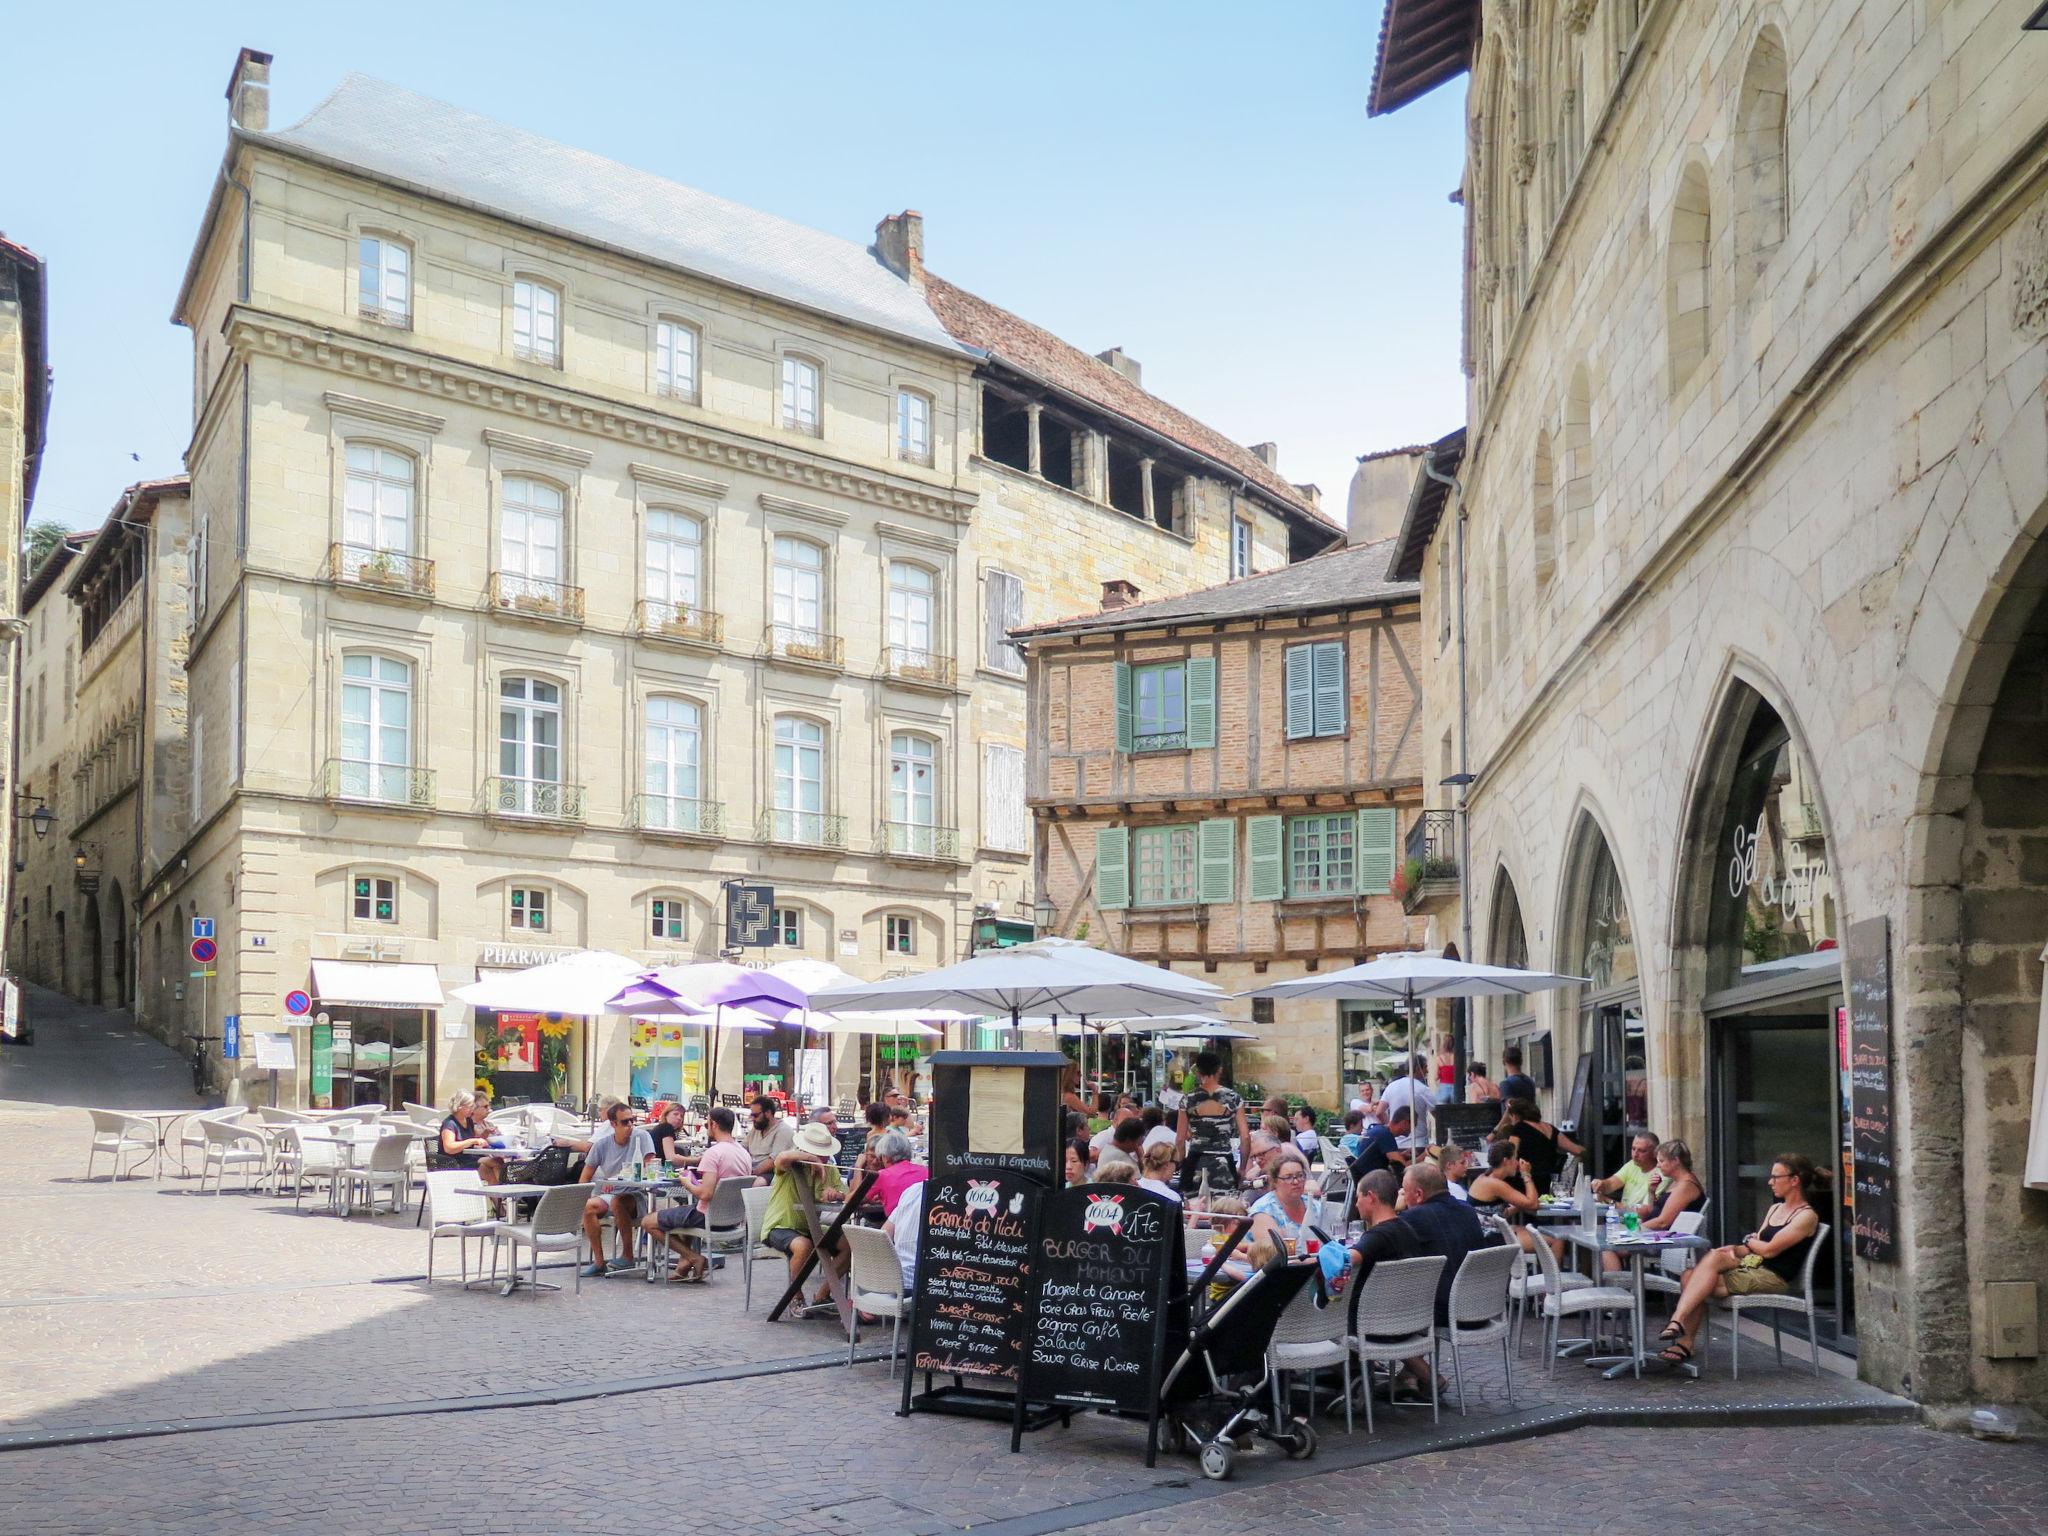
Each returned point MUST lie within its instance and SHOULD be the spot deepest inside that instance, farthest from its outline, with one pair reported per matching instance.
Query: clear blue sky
(1196, 182)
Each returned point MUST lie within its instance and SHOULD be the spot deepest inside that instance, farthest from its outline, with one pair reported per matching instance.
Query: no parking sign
(297, 1004)
(204, 950)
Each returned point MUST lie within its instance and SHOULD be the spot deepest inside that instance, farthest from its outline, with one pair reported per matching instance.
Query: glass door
(379, 1057)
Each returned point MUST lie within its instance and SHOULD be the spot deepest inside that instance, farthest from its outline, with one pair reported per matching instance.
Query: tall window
(376, 728)
(1005, 814)
(675, 561)
(1166, 865)
(1004, 611)
(675, 360)
(667, 922)
(786, 927)
(529, 746)
(530, 537)
(1162, 707)
(1240, 547)
(376, 504)
(384, 280)
(910, 614)
(913, 426)
(670, 776)
(528, 910)
(799, 780)
(536, 322)
(799, 595)
(800, 395)
(1321, 855)
(913, 786)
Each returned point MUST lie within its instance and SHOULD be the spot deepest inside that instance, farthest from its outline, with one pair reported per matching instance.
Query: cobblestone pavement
(127, 1304)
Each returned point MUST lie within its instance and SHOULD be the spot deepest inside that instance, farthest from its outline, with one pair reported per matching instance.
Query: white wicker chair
(1527, 1283)
(755, 1197)
(1800, 1301)
(556, 1227)
(1479, 1312)
(461, 1217)
(114, 1133)
(1586, 1301)
(232, 1146)
(1395, 1320)
(386, 1169)
(1668, 1278)
(726, 1229)
(877, 1287)
(1308, 1337)
(308, 1152)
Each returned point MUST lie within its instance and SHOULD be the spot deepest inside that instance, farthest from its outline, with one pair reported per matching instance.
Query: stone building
(1745, 555)
(1226, 782)
(44, 919)
(568, 542)
(24, 421)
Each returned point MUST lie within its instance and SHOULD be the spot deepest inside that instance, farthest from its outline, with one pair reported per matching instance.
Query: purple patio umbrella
(718, 985)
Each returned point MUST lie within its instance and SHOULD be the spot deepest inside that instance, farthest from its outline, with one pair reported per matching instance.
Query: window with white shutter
(1006, 819)
(1004, 597)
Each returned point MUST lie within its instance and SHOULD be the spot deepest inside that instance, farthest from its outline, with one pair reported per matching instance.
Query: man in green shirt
(1630, 1185)
(783, 1227)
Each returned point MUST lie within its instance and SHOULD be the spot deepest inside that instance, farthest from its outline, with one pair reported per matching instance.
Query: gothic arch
(1762, 187)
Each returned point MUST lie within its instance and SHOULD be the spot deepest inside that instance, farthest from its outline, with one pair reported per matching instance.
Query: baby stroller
(1217, 1391)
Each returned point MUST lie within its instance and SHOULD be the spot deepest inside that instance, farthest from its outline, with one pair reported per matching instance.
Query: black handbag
(550, 1165)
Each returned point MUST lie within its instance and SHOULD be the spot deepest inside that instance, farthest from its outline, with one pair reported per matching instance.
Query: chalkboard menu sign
(1870, 1087)
(997, 1110)
(1107, 1266)
(973, 1259)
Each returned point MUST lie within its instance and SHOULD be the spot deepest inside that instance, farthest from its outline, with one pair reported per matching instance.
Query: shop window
(786, 924)
(899, 935)
(376, 899)
(529, 909)
(667, 923)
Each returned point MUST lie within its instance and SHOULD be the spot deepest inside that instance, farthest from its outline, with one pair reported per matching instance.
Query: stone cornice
(252, 332)
(669, 480)
(365, 409)
(537, 447)
(824, 516)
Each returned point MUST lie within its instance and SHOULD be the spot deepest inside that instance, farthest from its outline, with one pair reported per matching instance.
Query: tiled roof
(44, 577)
(1423, 43)
(1426, 505)
(1354, 576)
(400, 137)
(1036, 352)
(137, 504)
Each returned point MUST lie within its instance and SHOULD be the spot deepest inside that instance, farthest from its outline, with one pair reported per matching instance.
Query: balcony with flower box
(502, 796)
(536, 597)
(918, 843)
(391, 786)
(386, 572)
(679, 624)
(1428, 878)
(801, 829)
(915, 667)
(678, 816)
(804, 646)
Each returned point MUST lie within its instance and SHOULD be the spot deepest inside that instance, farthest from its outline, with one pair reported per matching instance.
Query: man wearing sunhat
(782, 1225)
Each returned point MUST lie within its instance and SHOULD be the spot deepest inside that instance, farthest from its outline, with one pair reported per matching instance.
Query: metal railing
(377, 783)
(810, 829)
(1160, 741)
(385, 570)
(680, 622)
(914, 840)
(536, 596)
(680, 815)
(1433, 839)
(795, 642)
(538, 799)
(911, 664)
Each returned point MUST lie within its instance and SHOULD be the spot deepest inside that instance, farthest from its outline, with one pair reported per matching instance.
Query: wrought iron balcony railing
(678, 815)
(679, 622)
(914, 840)
(536, 597)
(796, 642)
(381, 570)
(1433, 838)
(911, 664)
(377, 783)
(802, 829)
(532, 799)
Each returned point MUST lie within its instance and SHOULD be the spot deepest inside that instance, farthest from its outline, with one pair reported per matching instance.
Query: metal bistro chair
(1306, 1338)
(755, 1250)
(461, 1217)
(877, 1278)
(556, 1227)
(232, 1146)
(1792, 1301)
(1395, 1319)
(1479, 1313)
(1583, 1301)
(114, 1133)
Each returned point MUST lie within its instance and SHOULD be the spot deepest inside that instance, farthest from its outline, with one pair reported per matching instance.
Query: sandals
(1676, 1353)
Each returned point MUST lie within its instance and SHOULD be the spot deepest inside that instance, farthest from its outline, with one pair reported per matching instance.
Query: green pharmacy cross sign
(380, 906)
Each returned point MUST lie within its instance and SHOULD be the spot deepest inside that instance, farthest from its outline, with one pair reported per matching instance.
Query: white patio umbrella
(1408, 977)
(585, 984)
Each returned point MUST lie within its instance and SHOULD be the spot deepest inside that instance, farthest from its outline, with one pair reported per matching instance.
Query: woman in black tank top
(1778, 1247)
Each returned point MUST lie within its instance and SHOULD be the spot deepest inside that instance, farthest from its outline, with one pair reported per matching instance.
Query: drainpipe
(1453, 492)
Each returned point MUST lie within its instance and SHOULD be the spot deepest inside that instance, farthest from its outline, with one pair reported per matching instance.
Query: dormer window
(383, 281)
(536, 323)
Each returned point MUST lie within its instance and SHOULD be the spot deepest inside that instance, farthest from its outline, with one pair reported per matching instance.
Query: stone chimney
(899, 244)
(1380, 488)
(1118, 593)
(1123, 364)
(1267, 454)
(1311, 493)
(249, 91)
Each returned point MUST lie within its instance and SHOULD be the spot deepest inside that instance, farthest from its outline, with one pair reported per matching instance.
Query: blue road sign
(231, 1037)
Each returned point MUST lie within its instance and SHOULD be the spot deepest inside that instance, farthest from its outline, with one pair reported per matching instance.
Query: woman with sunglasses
(1767, 1262)
(1280, 1215)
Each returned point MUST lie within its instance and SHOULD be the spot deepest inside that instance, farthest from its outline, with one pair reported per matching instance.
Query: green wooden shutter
(1125, 707)
(1329, 686)
(1265, 845)
(1216, 860)
(1113, 867)
(1201, 680)
(1377, 845)
(1301, 715)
